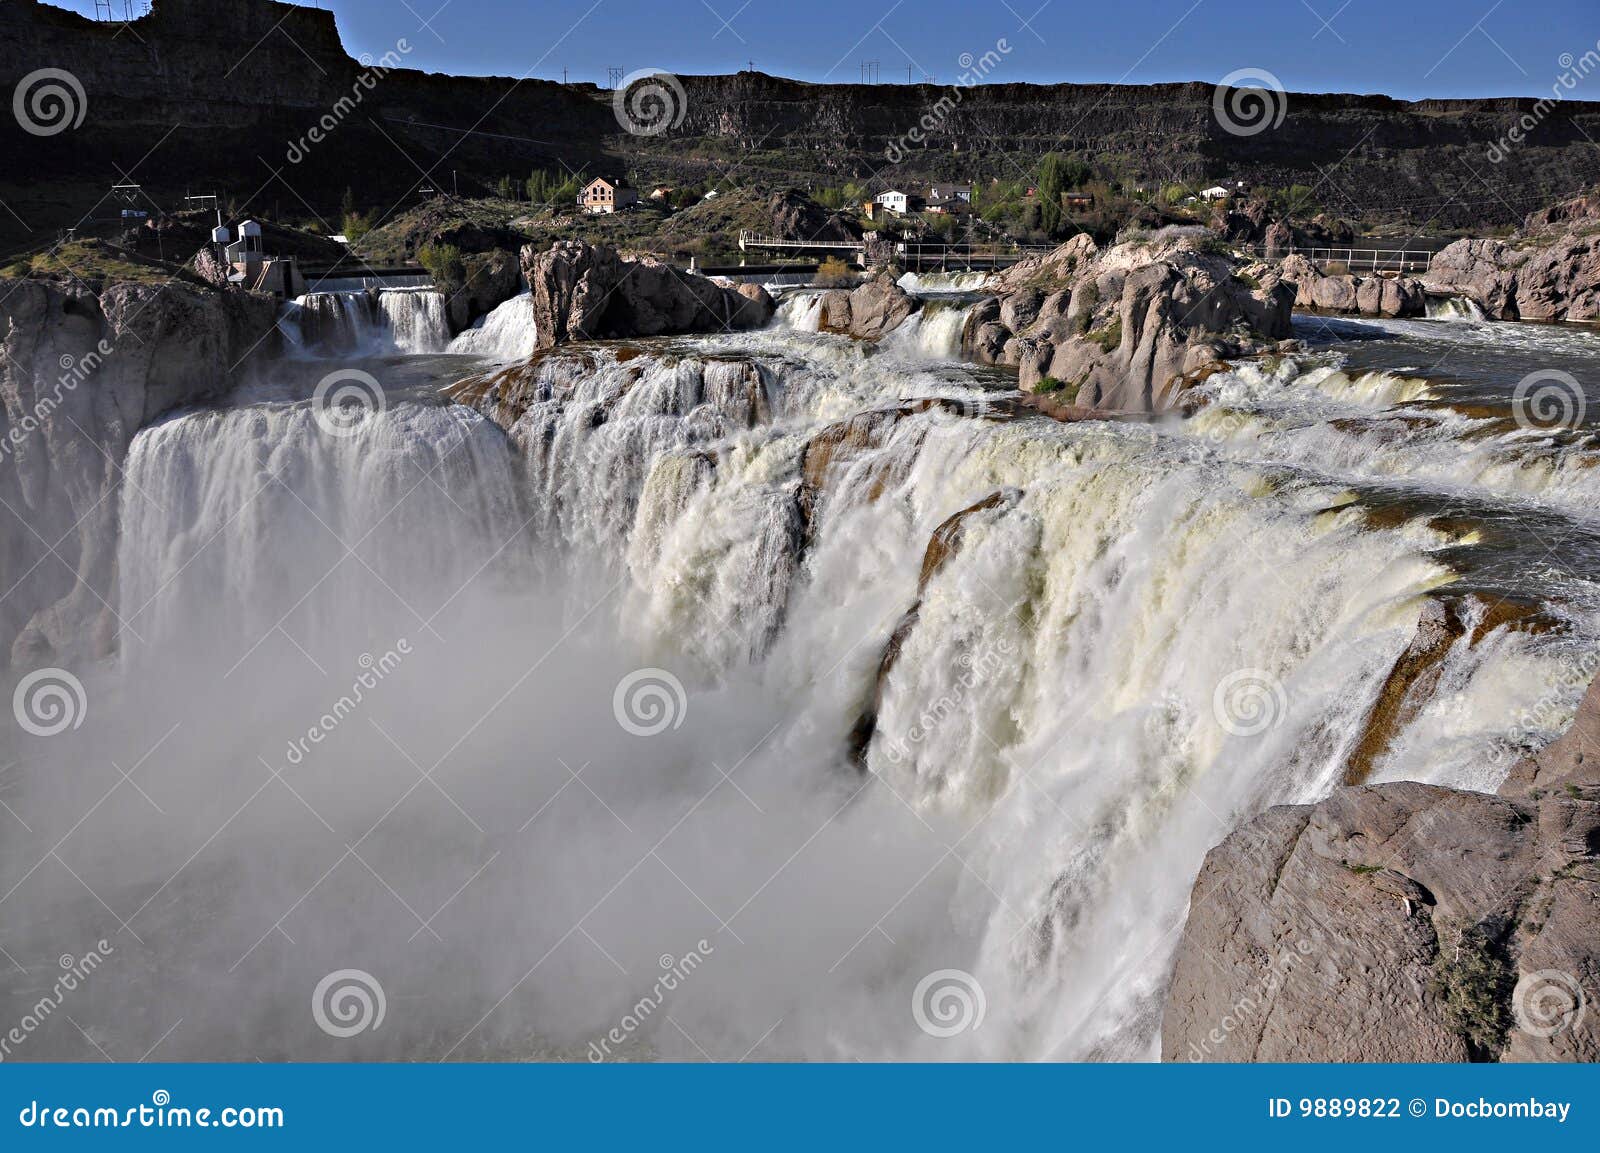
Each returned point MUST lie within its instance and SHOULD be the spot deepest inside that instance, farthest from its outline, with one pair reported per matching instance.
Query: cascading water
(388, 320)
(507, 333)
(414, 319)
(1145, 635)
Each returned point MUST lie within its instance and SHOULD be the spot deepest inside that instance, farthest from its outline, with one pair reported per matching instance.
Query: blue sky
(1406, 48)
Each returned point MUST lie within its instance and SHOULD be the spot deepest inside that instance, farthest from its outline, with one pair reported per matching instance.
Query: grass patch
(1109, 337)
(97, 264)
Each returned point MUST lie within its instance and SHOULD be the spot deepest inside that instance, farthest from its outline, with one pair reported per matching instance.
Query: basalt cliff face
(224, 94)
(81, 372)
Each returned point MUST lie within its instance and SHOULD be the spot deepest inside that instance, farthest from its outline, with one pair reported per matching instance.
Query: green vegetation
(96, 263)
(444, 262)
(1109, 337)
(834, 272)
(1474, 983)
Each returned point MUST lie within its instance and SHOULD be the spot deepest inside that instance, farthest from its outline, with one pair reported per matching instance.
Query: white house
(895, 201)
(1215, 192)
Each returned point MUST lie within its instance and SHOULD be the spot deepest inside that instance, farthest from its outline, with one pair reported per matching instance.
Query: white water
(1454, 308)
(1050, 761)
(918, 283)
(394, 320)
(507, 333)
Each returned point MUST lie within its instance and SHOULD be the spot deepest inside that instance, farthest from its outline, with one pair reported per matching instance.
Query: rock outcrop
(1401, 922)
(1120, 329)
(81, 372)
(587, 292)
(1344, 293)
(795, 216)
(869, 311)
(1549, 271)
(1405, 922)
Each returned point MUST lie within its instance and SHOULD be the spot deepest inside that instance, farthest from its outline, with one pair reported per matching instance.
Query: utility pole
(908, 74)
(563, 76)
(613, 78)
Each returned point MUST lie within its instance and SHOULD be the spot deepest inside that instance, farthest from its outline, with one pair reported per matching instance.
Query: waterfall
(335, 322)
(414, 319)
(933, 332)
(1137, 637)
(507, 333)
(394, 320)
(260, 501)
(1454, 308)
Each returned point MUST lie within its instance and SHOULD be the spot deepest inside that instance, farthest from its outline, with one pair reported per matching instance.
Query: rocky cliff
(1121, 329)
(583, 291)
(1549, 271)
(226, 93)
(81, 372)
(1404, 922)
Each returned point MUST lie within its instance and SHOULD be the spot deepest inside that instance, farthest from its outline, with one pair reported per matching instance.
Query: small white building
(1215, 192)
(894, 200)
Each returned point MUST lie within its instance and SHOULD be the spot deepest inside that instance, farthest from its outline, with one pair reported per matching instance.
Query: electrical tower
(613, 78)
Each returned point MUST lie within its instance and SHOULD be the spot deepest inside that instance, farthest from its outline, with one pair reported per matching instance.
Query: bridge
(1373, 261)
(923, 256)
(918, 255)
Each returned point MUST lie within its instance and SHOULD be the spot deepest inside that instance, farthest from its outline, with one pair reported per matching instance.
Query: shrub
(834, 272)
(1474, 983)
(444, 262)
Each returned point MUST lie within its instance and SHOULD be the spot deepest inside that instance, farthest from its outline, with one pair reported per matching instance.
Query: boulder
(1484, 271)
(490, 279)
(1400, 922)
(587, 292)
(869, 312)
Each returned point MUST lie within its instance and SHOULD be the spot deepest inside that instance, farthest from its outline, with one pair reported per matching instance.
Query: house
(898, 202)
(949, 199)
(605, 194)
(661, 192)
(947, 193)
(1215, 192)
(1077, 201)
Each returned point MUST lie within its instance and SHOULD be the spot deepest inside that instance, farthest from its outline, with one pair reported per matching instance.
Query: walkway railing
(1373, 260)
